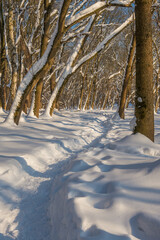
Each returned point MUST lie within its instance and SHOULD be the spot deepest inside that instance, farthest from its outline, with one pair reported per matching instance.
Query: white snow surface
(79, 176)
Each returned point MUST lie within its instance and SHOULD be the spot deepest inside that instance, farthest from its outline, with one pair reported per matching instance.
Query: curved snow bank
(136, 143)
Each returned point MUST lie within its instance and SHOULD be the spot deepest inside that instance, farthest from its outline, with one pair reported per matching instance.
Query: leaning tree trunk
(48, 62)
(127, 78)
(144, 110)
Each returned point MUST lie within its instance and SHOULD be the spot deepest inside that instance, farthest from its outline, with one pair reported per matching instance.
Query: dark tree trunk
(82, 93)
(3, 62)
(144, 110)
(94, 93)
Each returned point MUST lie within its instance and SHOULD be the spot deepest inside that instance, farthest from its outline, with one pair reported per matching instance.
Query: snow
(104, 43)
(121, 2)
(85, 13)
(100, 5)
(79, 175)
(139, 99)
(67, 70)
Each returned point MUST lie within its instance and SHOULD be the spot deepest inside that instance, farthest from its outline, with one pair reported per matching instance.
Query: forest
(71, 55)
(79, 119)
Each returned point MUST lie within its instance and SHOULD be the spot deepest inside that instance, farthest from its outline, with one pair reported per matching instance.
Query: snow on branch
(38, 66)
(98, 6)
(85, 13)
(121, 3)
(68, 68)
(22, 4)
(105, 42)
(79, 7)
(114, 75)
(37, 23)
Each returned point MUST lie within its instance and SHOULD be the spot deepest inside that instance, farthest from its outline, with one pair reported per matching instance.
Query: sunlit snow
(79, 175)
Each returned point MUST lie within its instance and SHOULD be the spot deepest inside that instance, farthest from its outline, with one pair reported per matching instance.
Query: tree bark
(86, 106)
(45, 39)
(144, 109)
(13, 54)
(127, 78)
(3, 62)
(49, 62)
(94, 93)
(82, 93)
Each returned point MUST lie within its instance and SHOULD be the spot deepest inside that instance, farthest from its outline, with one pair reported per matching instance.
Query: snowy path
(32, 155)
(111, 190)
(79, 176)
(38, 203)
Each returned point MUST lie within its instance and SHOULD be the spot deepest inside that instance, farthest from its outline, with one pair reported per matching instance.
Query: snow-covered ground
(79, 175)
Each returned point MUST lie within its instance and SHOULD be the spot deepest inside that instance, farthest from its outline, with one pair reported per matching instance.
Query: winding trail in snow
(34, 218)
(109, 190)
(79, 176)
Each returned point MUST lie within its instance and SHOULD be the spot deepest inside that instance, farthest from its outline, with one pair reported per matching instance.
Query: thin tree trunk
(81, 95)
(13, 54)
(84, 77)
(157, 84)
(45, 39)
(157, 91)
(144, 109)
(105, 101)
(3, 61)
(86, 106)
(127, 78)
(94, 93)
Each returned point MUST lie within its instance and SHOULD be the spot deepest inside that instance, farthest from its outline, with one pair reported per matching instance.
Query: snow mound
(136, 143)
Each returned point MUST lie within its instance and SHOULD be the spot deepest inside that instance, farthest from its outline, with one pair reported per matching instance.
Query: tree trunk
(127, 78)
(38, 97)
(84, 78)
(157, 84)
(45, 39)
(86, 106)
(94, 93)
(144, 110)
(3, 62)
(81, 95)
(105, 100)
(59, 30)
(13, 54)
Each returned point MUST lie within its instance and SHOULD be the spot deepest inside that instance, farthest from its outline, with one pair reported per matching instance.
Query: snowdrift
(79, 175)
